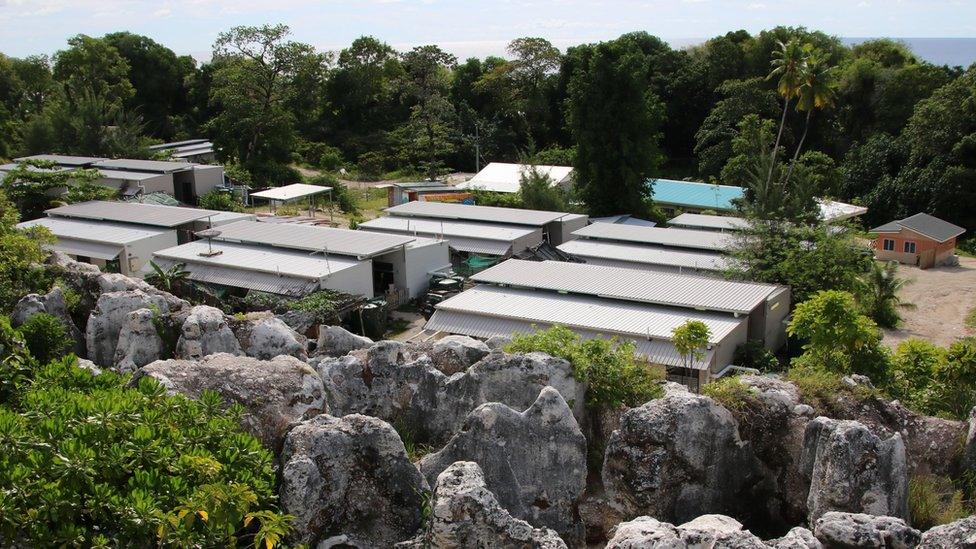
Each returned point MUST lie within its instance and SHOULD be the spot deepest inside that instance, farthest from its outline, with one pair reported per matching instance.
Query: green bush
(754, 354)
(341, 195)
(934, 501)
(46, 337)
(220, 201)
(730, 393)
(87, 462)
(613, 372)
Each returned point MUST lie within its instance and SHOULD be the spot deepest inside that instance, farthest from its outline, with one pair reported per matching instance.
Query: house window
(909, 247)
(888, 245)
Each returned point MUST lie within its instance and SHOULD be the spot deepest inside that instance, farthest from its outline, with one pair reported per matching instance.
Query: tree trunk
(796, 154)
(779, 135)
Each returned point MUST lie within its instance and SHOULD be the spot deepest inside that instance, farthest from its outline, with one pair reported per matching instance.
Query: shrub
(730, 393)
(817, 386)
(46, 337)
(97, 464)
(934, 500)
(221, 201)
(613, 372)
(754, 354)
(341, 195)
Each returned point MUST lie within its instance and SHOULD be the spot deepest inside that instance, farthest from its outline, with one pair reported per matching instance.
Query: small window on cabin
(909, 247)
(889, 245)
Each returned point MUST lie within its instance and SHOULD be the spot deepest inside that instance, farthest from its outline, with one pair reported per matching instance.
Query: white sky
(467, 27)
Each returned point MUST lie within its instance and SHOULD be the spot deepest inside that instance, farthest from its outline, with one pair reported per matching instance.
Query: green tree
(93, 66)
(913, 367)
(428, 136)
(878, 295)
(952, 392)
(31, 182)
(835, 333)
(616, 123)
(691, 339)
(788, 69)
(21, 257)
(714, 139)
(536, 192)
(816, 91)
(253, 81)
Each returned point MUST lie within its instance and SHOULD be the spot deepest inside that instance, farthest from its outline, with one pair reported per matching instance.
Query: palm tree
(879, 289)
(816, 92)
(787, 64)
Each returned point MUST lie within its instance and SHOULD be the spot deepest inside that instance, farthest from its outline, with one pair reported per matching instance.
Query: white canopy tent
(293, 192)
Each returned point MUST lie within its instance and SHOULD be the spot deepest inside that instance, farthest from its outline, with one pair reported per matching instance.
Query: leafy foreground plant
(86, 462)
(613, 372)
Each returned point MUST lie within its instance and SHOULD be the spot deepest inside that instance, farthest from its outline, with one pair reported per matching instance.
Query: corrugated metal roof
(490, 214)
(126, 175)
(251, 280)
(360, 244)
(435, 227)
(259, 259)
(695, 194)
(476, 325)
(650, 255)
(94, 231)
(607, 316)
(98, 250)
(624, 219)
(63, 160)
(501, 177)
(176, 144)
(155, 166)
(831, 210)
(675, 238)
(458, 243)
(715, 222)
(130, 212)
(291, 192)
(678, 290)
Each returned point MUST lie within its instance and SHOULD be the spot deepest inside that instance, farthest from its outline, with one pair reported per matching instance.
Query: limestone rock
(390, 382)
(969, 457)
(265, 336)
(466, 514)
(108, 317)
(350, 477)
(456, 353)
(533, 461)
(958, 534)
(275, 393)
(854, 530)
(139, 343)
(796, 538)
(645, 533)
(706, 531)
(498, 343)
(671, 458)
(337, 341)
(852, 470)
(53, 304)
(205, 332)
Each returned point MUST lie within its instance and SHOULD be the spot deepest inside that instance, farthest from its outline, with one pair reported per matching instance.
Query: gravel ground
(943, 297)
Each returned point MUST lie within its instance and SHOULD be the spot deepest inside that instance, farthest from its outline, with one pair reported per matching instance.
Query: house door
(926, 259)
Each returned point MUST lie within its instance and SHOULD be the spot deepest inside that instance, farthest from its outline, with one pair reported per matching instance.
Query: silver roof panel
(490, 214)
(648, 255)
(677, 238)
(311, 238)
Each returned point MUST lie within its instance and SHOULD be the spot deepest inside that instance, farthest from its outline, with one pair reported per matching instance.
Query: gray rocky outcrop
(456, 353)
(969, 454)
(853, 470)
(958, 534)
(672, 458)
(265, 336)
(206, 331)
(797, 538)
(139, 342)
(51, 303)
(337, 341)
(498, 343)
(467, 514)
(109, 316)
(711, 531)
(350, 478)
(533, 461)
(392, 382)
(856, 530)
(275, 393)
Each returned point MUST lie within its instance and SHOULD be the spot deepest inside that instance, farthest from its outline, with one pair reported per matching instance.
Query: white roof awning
(96, 250)
(291, 192)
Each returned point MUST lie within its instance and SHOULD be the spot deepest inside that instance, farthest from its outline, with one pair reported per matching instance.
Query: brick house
(921, 239)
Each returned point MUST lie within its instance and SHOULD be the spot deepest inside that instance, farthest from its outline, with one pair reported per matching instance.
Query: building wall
(205, 178)
(777, 309)
(140, 252)
(162, 183)
(356, 280)
(562, 231)
(725, 349)
(420, 261)
(528, 241)
(924, 246)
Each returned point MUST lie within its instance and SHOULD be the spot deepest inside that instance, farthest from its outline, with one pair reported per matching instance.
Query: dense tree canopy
(886, 129)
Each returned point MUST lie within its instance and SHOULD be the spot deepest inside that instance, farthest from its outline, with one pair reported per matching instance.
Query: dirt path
(943, 297)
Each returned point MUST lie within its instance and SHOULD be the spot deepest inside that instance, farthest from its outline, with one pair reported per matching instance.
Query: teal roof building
(691, 195)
